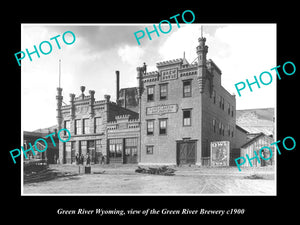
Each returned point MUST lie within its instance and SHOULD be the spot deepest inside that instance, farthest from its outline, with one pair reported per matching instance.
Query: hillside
(46, 130)
(256, 120)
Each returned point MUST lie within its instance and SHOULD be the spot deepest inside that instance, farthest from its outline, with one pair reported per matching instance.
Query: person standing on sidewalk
(88, 159)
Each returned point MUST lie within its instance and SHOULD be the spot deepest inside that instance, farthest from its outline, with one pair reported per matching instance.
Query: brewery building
(183, 108)
(92, 125)
(170, 118)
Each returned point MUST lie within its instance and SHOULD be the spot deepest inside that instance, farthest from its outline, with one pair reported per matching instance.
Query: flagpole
(59, 73)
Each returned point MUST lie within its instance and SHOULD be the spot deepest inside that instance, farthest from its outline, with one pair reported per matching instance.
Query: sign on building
(161, 109)
(170, 74)
(219, 153)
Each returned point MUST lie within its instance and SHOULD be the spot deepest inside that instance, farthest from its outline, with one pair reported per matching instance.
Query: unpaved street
(122, 179)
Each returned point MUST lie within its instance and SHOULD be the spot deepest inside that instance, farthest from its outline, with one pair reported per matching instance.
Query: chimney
(117, 84)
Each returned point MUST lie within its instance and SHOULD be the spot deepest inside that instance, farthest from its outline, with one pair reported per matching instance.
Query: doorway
(186, 152)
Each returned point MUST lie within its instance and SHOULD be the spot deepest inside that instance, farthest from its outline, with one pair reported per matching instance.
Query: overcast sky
(239, 50)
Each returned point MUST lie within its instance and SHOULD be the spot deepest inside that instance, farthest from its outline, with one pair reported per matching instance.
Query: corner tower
(202, 50)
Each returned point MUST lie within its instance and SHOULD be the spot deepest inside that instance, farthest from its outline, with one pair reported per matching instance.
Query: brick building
(87, 120)
(183, 108)
(170, 118)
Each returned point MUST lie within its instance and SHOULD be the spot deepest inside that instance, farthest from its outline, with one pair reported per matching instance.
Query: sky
(241, 51)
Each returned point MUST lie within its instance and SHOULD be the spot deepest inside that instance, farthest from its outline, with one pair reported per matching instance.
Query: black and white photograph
(164, 112)
(137, 112)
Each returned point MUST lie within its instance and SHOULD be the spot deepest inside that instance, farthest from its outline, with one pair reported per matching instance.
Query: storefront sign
(161, 109)
(219, 153)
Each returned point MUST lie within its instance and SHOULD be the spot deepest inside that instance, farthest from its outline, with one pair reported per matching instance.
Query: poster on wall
(219, 151)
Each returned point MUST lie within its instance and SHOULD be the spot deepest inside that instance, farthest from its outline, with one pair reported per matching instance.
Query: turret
(202, 50)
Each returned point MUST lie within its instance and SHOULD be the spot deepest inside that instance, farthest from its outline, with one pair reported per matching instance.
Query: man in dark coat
(77, 159)
(88, 159)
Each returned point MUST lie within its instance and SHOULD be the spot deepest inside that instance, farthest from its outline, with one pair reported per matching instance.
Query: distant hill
(46, 130)
(256, 120)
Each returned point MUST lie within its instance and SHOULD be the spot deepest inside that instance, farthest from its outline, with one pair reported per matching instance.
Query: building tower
(202, 50)
(59, 99)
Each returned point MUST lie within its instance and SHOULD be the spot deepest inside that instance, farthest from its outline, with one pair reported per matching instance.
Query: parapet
(123, 122)
(151, 76)
(169, 62)
(152, 73)
(122, 117)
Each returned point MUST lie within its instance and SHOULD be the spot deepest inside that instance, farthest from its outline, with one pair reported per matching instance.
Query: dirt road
(119, 180)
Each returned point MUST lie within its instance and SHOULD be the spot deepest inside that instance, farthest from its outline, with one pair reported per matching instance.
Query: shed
(255, 144)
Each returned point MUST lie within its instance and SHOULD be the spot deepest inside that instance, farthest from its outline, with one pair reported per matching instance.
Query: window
(232, 109)
(223, 129)
(187, 88)
(77, 126)
(68, 153)
(221, 102)
(150, 93)
(228, 105)
(85, 129)
(68, 146)
(115, 148)
(150, 127)
(228, 128)
(214, 97)
(66, 126)
(163, 126)
(131, 146)
(149, 149)
(187, 115)
(214, 125)
(83, 148)
(97, 124)
(220, 128)
(163, 91)
(131, 142)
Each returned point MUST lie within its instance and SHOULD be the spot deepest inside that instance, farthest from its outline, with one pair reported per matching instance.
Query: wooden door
(186, 152)
(130, 155)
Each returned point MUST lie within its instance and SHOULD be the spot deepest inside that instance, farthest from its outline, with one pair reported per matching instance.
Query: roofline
(128, 88)
(35, 134)
(242, 129)
(253, 139)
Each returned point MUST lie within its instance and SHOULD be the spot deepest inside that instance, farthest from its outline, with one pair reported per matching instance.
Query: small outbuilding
(254, 145)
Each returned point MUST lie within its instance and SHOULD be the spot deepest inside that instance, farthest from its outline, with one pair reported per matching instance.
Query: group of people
(80, 159)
